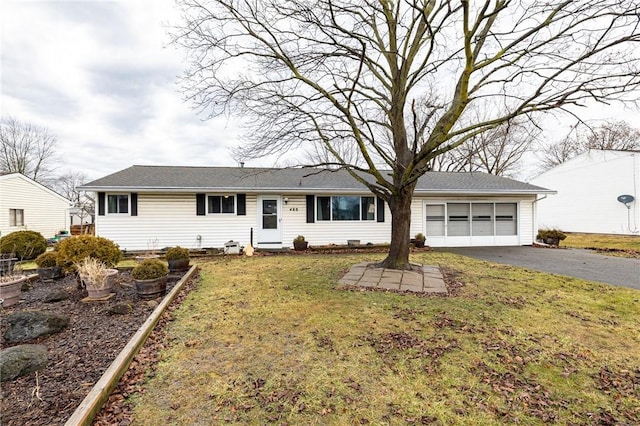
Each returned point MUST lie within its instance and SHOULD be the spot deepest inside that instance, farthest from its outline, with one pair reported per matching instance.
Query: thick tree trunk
(400, 205)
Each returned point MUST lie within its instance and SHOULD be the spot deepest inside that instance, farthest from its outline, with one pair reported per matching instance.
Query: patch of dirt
(79, 355)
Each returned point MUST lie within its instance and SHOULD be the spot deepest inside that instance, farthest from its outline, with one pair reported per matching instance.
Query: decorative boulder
(27, 325)
(56, 296)
(22, 360)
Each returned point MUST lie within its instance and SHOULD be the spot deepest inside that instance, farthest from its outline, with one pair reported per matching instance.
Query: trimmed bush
(73, 250)
(550, 234)
(47, 259)
(25, 245)
(150, 269)
(175, 253)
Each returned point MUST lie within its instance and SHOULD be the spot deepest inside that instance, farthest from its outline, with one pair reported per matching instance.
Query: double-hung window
(16, 217)
(118, 203)
(345, 207)
(221, 204)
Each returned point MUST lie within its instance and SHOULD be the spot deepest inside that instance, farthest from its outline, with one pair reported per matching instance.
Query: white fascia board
(228, 189)
(311, 190)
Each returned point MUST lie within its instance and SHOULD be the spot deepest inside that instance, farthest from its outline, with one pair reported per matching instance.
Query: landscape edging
(93, 402)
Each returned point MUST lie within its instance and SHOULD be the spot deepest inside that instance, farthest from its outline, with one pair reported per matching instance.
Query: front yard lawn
(273, 339)
(603, 242)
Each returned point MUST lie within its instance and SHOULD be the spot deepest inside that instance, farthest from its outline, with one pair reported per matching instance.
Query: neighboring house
(204, 207)
(26, 204)
(588, 189)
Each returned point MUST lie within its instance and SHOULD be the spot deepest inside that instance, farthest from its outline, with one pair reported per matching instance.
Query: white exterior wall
(294, 219)
(588, 187)
(44, 211)
(166, 220)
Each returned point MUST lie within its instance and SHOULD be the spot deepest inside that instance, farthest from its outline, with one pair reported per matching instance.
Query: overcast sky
(100, 76)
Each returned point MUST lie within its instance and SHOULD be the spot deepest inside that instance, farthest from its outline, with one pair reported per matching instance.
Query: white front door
(269, 221)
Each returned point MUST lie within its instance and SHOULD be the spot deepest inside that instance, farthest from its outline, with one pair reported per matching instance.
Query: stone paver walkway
(428, 281)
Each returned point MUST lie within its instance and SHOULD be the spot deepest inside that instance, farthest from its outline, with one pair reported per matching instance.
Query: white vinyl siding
(171, 220)
(41, 210)
(588, 188)
(526, 228)
(294, 222)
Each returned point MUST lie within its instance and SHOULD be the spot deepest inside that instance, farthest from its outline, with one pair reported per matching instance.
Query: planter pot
(10, 289)
(552, 241)
(300, 245)
(98, 292)
(150, 289)
(178, 265)
(418, 243)
(50, 274)
(353, 243)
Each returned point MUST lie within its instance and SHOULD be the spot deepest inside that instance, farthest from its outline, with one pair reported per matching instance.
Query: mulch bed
(78, 356)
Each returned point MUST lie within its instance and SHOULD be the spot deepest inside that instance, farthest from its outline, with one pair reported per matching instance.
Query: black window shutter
(200, 204)
(134, 204)
(242, 204)
(310, 208)
(101, 197)
(380, 210)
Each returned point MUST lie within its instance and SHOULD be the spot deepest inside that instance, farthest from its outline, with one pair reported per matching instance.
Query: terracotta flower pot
(98, 292)
(10, 289)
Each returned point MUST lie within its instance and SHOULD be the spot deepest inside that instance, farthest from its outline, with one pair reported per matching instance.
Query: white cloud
(100, 76)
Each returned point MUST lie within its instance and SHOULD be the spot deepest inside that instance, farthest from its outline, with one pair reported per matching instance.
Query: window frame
(118, 194)
(13, 217)
(234, 198)
(330, 213)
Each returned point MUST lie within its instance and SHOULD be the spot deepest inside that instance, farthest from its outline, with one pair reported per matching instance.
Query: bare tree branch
(386, 87)
(27, 149)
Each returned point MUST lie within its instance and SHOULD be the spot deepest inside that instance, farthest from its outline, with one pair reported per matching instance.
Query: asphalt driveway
(577, 263)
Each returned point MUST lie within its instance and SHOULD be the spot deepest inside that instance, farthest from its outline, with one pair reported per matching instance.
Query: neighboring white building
(588, 189)
(205, 207)
(27, 205)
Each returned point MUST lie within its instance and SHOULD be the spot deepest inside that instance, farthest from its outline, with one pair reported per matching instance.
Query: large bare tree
(27, 149)
(395, 79)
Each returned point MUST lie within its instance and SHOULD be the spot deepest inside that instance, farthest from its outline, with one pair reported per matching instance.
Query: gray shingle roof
(247, 179)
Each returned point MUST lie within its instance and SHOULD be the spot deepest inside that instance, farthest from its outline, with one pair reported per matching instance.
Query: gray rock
(22, 360)
(27, 325)
(120, 309)
(56, 296)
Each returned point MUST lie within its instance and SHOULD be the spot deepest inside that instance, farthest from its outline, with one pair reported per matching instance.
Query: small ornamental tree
(150, 269)
(175, 253)
(24, 245)
(73, 250)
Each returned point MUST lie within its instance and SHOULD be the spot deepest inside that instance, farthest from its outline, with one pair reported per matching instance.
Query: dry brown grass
(272, 340)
